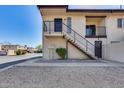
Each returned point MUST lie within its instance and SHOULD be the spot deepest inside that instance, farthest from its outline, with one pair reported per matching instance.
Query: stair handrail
(78, 34)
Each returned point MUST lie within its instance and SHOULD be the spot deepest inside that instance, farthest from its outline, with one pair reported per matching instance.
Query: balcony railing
(49, 27)
(100, 31)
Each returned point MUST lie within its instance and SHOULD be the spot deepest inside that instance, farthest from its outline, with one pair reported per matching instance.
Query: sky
(20, 25)
(96, 7)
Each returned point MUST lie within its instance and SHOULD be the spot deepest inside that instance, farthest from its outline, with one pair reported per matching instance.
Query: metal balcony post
(74, 36)
(49, 27)
(86, 46)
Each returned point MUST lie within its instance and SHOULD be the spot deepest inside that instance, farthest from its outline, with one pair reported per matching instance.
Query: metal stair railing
(78, 39)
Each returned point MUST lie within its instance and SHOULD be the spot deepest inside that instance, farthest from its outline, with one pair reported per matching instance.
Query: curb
(16, 62)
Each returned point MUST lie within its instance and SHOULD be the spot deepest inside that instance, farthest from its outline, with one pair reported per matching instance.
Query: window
(120, 23)
(69, 24)
(90, 30)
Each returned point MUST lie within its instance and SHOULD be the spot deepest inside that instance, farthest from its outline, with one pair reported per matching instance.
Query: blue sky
(20, 25)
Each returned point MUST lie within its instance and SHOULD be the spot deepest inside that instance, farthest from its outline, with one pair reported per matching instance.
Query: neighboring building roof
(10, 45)
(82, 10)
(52, 6)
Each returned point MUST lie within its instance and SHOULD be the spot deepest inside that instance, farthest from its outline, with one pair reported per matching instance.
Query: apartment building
(82, 32)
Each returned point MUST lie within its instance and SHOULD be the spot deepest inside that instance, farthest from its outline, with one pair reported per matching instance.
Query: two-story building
(81, 31)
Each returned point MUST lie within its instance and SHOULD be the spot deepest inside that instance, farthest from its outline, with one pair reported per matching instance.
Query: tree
(39, 48)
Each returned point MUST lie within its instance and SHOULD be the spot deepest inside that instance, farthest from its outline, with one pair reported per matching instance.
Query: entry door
(51, 53)
(98, 49)
(58, 25)
(69, 24)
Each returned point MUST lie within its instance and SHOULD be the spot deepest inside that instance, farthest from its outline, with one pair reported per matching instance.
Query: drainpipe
(67, 48)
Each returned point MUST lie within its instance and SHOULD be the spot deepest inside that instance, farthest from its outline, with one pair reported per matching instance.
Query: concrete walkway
(40, 62)
(6, 59)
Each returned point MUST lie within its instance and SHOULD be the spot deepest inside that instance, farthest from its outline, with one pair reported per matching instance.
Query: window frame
(120, 25)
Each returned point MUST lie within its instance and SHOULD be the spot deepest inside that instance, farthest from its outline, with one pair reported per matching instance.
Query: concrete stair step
(78, 45)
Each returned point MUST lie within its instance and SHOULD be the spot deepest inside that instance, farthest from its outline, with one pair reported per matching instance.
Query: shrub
(62, 52)
(24, 52)
(20, 52)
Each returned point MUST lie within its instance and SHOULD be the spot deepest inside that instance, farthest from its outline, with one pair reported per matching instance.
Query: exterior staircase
(75, 39)
(79, 42)
(78, 46)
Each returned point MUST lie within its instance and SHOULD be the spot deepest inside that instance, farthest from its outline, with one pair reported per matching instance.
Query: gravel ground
(62, 77)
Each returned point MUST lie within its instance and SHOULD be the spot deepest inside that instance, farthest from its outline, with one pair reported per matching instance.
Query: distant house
(0, 47)
(31, 49)
(11, 49)
(2, 52)
(81, 31)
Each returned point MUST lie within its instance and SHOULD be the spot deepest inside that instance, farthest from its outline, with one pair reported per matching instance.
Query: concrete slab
(7, 59)
(43, 62)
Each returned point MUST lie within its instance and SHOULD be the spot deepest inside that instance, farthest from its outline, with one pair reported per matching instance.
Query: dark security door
(58, 25)
(98, 49)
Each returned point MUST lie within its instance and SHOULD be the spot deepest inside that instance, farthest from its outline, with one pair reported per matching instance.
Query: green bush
(62, 52)
(20, 52)
(24, 52)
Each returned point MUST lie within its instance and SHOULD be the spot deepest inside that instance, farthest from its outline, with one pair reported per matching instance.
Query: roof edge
(52, 6)
(82, 10)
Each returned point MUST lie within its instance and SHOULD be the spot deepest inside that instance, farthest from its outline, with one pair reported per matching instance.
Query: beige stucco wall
(79, 22)
(74, 53)
(114, 51)
(51, 43)
(11, 52)
(79, 25)
(113, 32)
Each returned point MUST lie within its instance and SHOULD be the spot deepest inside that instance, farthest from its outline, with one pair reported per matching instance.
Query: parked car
(3, 53)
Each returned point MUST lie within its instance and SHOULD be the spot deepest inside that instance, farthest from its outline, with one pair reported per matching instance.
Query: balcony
(52, 28)
(95, 27)
(95, 31)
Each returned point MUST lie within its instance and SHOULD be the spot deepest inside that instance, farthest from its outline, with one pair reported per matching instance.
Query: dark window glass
(119, 23)
(69, 24)
(90, 30)
(58, 25)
